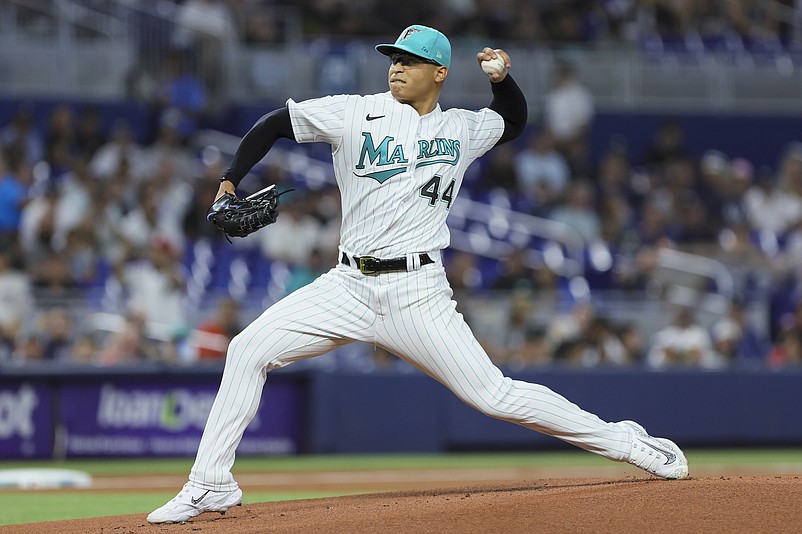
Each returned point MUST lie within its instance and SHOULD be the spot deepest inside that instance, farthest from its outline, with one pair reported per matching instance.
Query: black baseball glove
(240, 217)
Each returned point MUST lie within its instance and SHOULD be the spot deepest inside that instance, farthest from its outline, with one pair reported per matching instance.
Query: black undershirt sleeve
(255, 144)
(510, 103)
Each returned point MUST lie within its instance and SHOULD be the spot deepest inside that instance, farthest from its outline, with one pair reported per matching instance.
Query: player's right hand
(488, 53)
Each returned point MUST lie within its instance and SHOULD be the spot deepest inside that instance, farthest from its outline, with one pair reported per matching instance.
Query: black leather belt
(371, 265)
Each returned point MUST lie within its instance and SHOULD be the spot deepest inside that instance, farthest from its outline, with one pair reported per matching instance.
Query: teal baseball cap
(421, 41)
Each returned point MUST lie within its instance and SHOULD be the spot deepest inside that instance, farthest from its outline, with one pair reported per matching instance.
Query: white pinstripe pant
(409, 314)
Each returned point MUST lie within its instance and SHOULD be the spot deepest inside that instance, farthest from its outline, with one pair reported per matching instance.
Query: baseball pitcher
(399, 160)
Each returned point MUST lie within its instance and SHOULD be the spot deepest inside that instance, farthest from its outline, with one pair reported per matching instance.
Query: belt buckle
(368, 264)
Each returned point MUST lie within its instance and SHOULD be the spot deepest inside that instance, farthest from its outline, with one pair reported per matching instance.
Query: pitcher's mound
(710, 505)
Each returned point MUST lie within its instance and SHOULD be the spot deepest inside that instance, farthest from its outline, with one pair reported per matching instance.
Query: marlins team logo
(410, 32)
(388, 154)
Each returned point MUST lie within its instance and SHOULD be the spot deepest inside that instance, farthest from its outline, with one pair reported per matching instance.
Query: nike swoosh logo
(369, 118)
(670, 456)
(199, 499)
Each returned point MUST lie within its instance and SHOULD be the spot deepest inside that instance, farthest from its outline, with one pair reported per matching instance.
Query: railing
(58, 18)
(625, 76)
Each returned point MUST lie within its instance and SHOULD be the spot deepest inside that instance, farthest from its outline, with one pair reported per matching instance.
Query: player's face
(413, 79)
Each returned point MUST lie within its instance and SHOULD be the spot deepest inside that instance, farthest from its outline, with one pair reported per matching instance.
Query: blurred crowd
(106, 256)
(548, 21)
(559, 22)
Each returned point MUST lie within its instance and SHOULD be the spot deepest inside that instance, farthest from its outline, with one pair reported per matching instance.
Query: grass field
(25, 506)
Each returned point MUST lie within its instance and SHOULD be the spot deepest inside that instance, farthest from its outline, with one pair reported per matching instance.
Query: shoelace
(652, 457)
(184, 490)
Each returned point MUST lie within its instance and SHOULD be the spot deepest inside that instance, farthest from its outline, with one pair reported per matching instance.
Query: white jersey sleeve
(319, 119)
(485, 128)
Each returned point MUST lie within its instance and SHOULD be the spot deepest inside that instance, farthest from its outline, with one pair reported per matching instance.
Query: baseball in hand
(493, 66)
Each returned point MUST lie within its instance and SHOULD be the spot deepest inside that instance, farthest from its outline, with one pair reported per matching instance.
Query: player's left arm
(508, 99)
(254, 146)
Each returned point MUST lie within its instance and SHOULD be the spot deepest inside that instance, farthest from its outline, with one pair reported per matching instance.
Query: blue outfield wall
(52, 411)
(387, 413)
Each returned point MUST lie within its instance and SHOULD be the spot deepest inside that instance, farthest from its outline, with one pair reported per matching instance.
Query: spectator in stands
(84, 350)
(616, 177)
(790, 176)
(568, 109)
(737, 341)
(683, 343)
(756, 20)
(617, 221)
(16, 302)
(169, 146)
(542, 172)
(673, 182)
(571, 353)
(305, 273)
(176, 192)
(195, 225)
(206, 28)
(695, 230)
(22, 135)
(565, 332)
(787, 351)
(130, 343)
(260, 25)
(578, 212)
(75, 203)
(604, 346)
(89, 136)
(500, 173)
(633, 341)
(516, 272)
(82, 255)
(533, 353)
(181, 101)
(52, 277)
(295, 234)
(668, 144)
(770, 206)
(652, 225)
(64, 205)
(463, 270)
(519, 322)
(27, 349)
(681, 195)
(210, 339)
(120, 149)
(38, 224)
(111, 203)
(564, 23)
(152, 218)
(13, 196)
(733, 210)
(51, 336)
(635, 269)
(155, 285)
(724, 183)
(60, 144)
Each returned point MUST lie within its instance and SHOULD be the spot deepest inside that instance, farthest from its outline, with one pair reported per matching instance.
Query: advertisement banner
(26, 421)
(139, 419)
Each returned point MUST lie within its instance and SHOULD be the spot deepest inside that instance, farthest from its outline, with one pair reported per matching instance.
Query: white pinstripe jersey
(398, 172)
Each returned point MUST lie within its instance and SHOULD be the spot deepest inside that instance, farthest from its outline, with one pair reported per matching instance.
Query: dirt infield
(747, 503)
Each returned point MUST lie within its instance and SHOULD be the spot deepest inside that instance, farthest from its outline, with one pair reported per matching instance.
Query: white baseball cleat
(192, 501)
(659, 456)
